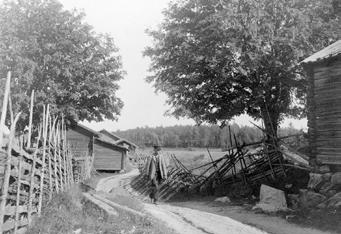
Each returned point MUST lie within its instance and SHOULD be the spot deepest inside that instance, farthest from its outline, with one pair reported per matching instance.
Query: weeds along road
(183, 220)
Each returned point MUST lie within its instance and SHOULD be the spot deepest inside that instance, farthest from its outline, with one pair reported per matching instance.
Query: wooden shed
(81, 140)
(324, 103)
(109, 156)
(86, 143)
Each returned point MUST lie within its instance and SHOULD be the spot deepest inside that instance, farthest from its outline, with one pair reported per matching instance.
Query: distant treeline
(196, 136)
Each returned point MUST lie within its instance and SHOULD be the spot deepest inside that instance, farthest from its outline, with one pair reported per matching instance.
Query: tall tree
(53, 51)
(222, 58)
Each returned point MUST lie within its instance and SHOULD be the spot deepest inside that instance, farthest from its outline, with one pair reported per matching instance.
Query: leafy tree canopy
(221, 58)
(53, 51)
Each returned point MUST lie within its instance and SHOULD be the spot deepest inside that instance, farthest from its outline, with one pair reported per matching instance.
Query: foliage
(221, 58)
(197, 136)
(53, 51)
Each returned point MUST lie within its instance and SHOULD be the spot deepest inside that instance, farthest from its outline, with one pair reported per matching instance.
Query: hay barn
(85, 142)
(324, 103)
(108, 156)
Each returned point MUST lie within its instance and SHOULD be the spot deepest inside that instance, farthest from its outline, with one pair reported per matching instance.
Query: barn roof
(326, 53)
(110, 144)
(117, 139)
(89, 131)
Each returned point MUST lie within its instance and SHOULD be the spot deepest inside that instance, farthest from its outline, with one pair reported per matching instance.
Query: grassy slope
(67, 212)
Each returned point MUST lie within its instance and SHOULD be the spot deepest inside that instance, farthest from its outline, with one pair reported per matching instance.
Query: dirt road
(197, 217)
(183, 220)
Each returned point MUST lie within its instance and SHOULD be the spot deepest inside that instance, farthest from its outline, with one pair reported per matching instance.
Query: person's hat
(156, 144)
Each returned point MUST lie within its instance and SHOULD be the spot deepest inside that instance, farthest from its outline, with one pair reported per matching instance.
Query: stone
(324, 169)
(334, 200)
(331, 193)
(315, 181)
(325, 188)
(77, 231)
(336, 178)
(338, 205)
(310, 198)
(327, 176)
(322, 205)
(290, 218)
(271, 200)
(225, 199)
(193, 189)
(293, 200)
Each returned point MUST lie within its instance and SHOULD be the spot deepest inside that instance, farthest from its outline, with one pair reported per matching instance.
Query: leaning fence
(33, 166)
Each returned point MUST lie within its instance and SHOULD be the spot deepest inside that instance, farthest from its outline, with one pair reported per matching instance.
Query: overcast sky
(126, 21)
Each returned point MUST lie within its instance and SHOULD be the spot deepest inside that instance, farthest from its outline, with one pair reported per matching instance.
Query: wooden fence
(33, 167)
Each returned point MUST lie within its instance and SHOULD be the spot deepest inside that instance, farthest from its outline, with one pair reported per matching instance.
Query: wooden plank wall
(327, 113)
(107, 158)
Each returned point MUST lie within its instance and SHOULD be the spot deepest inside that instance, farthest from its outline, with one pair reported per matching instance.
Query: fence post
(30, 121)
(32, 184)
(4, 105)
(49, 161)
(7, 172)
(55, 164)
(43, 159)
(20, 158)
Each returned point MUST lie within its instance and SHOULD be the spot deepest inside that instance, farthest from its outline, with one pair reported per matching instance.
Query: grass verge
(68, 212)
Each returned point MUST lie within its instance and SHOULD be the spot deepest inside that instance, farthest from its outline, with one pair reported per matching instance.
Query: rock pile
(323, 191)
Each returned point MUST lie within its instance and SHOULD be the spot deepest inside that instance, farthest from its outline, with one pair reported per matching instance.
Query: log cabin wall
(324, 110)
(108, 157)
(80, 142)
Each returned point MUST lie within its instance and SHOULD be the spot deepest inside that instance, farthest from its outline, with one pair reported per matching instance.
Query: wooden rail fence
(33, 167)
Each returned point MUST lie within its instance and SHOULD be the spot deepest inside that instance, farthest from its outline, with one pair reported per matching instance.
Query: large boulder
(310, 198)
(315, 181)
(336, 178)
(271, 199)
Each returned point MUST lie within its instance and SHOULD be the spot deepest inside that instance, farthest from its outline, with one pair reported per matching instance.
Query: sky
(126, 21)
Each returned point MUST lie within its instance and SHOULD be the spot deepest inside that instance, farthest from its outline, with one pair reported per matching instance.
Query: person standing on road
(157, 172)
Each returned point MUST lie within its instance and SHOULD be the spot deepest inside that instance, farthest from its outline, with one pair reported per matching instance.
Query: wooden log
(9, 224)
(11, 210)
(5, 185)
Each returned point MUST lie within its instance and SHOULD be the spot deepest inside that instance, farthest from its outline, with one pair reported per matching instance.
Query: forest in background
(197, 136)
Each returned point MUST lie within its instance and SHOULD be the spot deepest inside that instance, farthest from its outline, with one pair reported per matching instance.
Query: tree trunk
(270, 119)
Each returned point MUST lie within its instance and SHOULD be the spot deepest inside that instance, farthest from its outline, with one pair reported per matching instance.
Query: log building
(86, 143)
(324, 104)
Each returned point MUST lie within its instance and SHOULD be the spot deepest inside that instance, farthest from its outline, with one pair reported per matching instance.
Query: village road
(183, 220)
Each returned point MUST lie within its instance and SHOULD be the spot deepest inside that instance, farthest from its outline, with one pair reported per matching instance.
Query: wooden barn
(81, 140)
(111, 137)
(86, 143)
(324, 103)
(109, 156)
